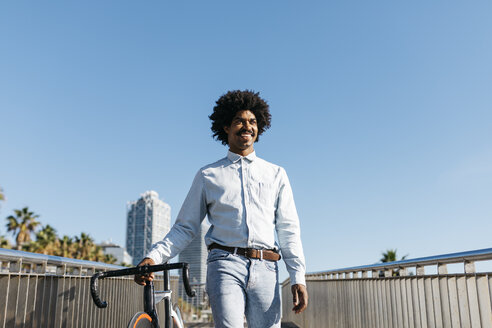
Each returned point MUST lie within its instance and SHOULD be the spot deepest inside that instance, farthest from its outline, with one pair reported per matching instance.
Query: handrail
(440, 260)
(11, 255)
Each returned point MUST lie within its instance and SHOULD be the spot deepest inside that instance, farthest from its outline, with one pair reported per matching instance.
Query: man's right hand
(142, 279)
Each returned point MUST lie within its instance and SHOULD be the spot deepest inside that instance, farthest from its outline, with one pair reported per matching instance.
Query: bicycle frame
(149, 299)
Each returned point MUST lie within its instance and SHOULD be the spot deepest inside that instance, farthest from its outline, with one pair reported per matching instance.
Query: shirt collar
(233, 157)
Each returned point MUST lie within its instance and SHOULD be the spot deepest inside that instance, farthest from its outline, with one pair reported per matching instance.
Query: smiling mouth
(245, 134)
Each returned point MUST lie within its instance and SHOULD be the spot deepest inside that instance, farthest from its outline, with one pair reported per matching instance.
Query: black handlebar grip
(94, 293)
(186, 281)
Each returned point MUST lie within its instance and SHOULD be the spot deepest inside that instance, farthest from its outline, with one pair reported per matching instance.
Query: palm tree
(390, 256)
(23, 224)
(84, 246)
(108, 258)
(97, 254)
(67, 247)
(4, 242)
(47, 241)
(31, 246)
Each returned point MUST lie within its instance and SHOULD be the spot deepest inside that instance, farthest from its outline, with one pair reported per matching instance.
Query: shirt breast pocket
(263, 193)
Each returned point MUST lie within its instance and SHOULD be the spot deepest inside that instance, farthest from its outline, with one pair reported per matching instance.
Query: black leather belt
(251, 253)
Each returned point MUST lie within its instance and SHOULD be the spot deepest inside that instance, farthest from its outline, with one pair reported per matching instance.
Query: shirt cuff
(298, 278)
(155, 256)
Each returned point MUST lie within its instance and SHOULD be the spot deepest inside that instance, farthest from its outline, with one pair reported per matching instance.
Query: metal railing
(195, 309)
(48, 291)
(399, 294)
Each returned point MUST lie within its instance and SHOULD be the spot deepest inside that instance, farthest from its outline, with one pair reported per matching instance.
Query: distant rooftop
(150, 194)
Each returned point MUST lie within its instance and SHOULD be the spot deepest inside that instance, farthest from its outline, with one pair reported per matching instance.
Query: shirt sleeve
(187, 224)
(289, 232)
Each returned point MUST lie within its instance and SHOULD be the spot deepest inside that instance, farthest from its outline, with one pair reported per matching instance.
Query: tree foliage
(4, 242)
(22, 225)
(390, 256)
(47, 242)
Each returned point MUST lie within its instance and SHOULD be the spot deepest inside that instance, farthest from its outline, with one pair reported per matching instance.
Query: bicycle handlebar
(144, 269)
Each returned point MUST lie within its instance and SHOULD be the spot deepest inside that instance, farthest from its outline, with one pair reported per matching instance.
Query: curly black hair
(234, 101)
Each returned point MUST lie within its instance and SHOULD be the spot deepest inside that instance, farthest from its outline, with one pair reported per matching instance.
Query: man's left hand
(299, 298)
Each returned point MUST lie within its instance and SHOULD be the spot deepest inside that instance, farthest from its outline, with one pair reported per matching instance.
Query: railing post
(41, 267)
(442, 268)
(77, 271)
(61, 270)
(15, 266)
(469, 267)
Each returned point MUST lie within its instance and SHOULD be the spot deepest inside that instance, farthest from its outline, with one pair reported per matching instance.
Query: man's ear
(226, 129)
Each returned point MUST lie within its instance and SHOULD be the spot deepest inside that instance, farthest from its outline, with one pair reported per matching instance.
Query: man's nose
(247, 125)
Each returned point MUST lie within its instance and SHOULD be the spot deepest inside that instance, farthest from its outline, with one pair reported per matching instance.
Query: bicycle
(148, 318)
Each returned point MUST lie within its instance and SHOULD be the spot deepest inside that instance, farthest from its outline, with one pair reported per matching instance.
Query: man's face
(242, 132)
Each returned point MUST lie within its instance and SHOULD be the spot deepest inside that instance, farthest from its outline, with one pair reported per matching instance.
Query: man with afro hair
(249, 204)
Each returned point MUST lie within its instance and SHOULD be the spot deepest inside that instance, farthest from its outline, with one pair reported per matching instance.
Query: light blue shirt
(247, 200)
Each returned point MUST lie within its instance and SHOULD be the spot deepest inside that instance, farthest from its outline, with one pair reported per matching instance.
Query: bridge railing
(419, 292)
(197, 308)
(48, 291)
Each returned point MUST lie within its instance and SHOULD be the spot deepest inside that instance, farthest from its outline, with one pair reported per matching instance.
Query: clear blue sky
(382, 114)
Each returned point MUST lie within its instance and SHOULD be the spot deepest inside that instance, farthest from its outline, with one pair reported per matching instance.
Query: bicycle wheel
(177, 319)
(140, 320)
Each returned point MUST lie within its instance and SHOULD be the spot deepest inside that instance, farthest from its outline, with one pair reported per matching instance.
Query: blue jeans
(238, 286)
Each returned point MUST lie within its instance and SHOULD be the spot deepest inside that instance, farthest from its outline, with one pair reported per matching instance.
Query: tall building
(148, 221)
(196, 255)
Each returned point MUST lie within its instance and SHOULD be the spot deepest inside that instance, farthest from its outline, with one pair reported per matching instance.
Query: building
(196, 255)
(118, 252)
(148, 221)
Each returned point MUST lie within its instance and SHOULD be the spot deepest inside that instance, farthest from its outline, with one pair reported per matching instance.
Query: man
(247, 200)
